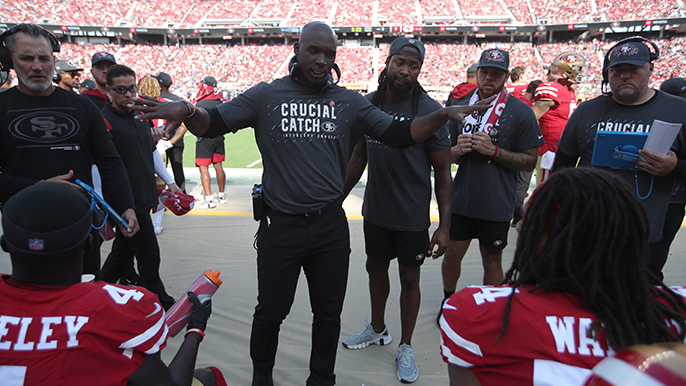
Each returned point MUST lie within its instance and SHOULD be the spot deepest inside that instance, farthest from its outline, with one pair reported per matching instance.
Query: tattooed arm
(542, 106)
(524, 161)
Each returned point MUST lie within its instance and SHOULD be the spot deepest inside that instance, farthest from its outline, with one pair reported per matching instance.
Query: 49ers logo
(495, 56)
(570, 59)
(626, 50)
(45, 127)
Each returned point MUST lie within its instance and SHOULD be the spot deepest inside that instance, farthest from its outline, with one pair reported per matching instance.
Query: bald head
(316, 53)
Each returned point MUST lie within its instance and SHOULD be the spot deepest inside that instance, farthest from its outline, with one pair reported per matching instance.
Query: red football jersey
(553, 122)
(546, 341)
(84, 334)
(518, 90)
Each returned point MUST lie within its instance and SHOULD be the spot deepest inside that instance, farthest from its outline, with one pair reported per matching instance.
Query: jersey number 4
(490, 294)
(122, 296)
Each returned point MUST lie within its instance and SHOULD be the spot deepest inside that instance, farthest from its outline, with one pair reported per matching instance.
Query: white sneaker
(158, 230)
(207, 203)
(221, 196)
(366, 337)
(407, 366)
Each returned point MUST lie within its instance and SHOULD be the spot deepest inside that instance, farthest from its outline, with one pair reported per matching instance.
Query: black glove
(201, 312)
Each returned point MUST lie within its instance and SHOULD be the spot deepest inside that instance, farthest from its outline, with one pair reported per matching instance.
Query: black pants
(143, 246)
(175, 157)
(91, 259)
(523, 182)
(659, 250)
(320, 245)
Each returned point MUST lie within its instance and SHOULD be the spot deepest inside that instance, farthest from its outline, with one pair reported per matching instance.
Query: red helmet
(178, 203)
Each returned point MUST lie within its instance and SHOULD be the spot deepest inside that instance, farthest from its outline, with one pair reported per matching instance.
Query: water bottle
(204, 287)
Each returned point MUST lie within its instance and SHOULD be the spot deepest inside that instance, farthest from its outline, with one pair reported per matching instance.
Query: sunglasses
(122, 90)
(73, 74)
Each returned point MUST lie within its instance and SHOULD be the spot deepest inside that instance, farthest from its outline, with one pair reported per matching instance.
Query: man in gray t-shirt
(306, 128)
(397, 199)
(491, 148)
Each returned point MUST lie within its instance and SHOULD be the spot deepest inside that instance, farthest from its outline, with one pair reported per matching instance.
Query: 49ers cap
(46, 221)
(495, 58)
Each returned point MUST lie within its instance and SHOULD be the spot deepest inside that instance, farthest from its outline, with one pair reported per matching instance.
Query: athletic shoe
(407, 366)
(367, 337)
(262, 379)
(207, 203)
(221, 197)
(440, 313)
(158, 230)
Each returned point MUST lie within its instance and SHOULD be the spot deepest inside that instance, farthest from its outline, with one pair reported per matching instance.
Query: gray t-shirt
(306, 138)
(486, 190)
(603, 113)
(398, 192)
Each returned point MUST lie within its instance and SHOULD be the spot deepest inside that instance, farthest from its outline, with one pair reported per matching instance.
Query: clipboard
(617, 149)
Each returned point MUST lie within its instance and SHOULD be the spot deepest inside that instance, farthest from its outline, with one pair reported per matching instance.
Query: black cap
(66, 65)
(674, 86)
(103, 56)
(495, 58)
(472, 69)
(46, 221)
(88, 84)
(402, 42)
(635, 53)
(210, 81)
(164, 79)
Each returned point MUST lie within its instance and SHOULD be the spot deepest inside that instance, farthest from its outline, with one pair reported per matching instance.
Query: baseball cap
(89, 84)
(46, 221)
(472, 69)
(210, 81)
(495, 58)
(103, 56)
(164, 79)
(635, 53)
(674, 86)
(402, 42)
(66, 65)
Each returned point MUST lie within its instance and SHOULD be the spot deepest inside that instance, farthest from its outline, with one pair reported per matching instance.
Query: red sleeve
(547, 90)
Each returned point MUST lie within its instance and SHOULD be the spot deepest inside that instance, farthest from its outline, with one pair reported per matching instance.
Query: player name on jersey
(55, 332)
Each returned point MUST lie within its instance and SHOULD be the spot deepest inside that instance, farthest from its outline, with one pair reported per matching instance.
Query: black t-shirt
(603, 113)
(42, 137)
(134, 143)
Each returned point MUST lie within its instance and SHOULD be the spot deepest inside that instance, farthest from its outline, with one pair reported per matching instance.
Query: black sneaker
(262, 379)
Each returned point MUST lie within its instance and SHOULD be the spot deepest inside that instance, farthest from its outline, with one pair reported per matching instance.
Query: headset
(6, 56)
(294, 71)
(654, 55)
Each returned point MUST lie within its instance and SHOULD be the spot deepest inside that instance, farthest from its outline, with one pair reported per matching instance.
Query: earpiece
(5, 54)
(654, 55)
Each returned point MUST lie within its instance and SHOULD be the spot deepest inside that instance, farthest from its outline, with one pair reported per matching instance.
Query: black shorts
(209, 151)
(386, 244)
(492, 235)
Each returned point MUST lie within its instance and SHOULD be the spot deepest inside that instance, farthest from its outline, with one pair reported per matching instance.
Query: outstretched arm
(423, 127)
(196, 119)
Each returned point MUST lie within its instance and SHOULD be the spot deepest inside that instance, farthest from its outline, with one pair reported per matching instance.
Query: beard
(34, 86)
(400, 92)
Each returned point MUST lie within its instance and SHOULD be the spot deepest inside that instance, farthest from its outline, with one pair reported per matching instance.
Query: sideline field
(241, 150)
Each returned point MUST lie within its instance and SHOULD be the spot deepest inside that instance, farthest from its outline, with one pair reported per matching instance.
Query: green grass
(241, 150)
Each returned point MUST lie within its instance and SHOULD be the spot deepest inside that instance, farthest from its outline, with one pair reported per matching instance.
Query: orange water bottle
(204, 287)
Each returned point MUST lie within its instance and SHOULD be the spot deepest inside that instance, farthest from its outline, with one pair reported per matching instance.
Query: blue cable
(652, 179)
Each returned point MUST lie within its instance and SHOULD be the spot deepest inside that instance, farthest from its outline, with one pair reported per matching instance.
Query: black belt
(332, 205)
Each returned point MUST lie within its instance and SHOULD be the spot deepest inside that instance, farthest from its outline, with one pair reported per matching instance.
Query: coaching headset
(654, 55)
(5, 54)
(294, 70)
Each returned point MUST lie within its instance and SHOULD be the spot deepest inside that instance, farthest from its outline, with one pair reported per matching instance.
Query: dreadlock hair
(586, 233)
(380, 95)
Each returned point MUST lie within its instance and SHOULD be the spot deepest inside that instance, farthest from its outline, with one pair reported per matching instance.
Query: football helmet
(569, 65)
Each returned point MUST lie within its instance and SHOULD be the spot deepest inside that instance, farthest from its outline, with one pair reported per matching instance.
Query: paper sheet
(661, 137)
(547, 160)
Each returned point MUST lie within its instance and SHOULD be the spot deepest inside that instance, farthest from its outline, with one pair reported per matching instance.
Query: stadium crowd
(193, 13)
(242, 66)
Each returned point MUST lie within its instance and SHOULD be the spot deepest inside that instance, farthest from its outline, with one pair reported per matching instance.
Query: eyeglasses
(122, 90)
